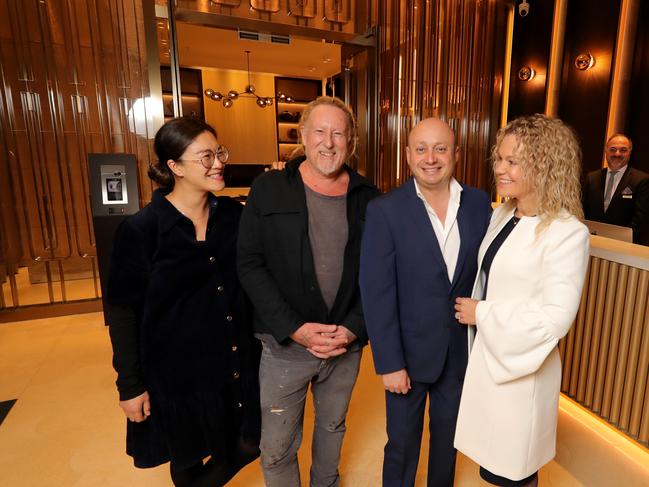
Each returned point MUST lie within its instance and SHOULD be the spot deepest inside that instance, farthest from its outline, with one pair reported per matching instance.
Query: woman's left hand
(465, 310)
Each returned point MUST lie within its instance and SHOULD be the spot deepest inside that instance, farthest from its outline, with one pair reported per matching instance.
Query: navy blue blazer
(406, 293)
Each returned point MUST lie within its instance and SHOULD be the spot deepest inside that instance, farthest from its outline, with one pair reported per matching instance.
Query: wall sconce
(526, 73)
(584, 61)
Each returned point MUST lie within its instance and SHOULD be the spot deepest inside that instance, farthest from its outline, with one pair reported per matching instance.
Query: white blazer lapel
(499, 219)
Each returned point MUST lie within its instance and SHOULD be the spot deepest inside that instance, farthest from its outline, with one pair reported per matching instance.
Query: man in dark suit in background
(619, 194)
(419, 252)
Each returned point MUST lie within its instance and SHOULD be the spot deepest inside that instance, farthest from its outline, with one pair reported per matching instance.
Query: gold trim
(623, 63)
(556, 58)
(507, 65)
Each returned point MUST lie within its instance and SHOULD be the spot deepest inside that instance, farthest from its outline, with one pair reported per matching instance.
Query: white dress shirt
(447, 233)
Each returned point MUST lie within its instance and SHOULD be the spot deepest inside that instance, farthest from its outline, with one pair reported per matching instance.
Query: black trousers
(405, 418)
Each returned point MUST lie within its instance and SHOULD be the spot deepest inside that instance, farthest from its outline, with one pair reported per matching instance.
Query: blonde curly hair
(338, 103)
(550, 158)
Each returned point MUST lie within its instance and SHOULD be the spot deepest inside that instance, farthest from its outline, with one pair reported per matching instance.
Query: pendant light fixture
(249, 90)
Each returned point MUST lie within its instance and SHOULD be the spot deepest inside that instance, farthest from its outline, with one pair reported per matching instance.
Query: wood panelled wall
(584, 95)
(606, 354)
(531, 47)
(71, 71)
(440, 58)
(348, 16)
(585, 98)
(637, 122)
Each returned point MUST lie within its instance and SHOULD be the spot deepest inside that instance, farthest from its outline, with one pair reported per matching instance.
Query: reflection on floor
(30, 292)
(67, 430)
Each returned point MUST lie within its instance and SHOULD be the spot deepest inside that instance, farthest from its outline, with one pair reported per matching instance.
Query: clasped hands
(323, 341)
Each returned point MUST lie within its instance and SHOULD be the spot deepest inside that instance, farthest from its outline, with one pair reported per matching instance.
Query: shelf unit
(191, 92)
(288, 115)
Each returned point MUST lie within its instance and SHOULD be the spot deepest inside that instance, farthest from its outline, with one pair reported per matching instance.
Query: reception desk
(606, 354)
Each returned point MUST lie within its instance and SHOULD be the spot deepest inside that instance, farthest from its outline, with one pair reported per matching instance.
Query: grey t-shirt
(328, 231)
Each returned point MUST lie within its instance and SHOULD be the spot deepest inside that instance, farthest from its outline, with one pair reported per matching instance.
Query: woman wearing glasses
(183, 351)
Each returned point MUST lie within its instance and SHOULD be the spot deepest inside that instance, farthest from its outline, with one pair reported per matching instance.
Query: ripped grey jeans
(284, 376)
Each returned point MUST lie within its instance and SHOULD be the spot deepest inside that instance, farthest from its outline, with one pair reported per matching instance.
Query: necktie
(609, 189)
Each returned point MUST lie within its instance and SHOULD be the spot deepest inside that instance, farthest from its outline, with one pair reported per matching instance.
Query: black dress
(180, 327)
(487, 260)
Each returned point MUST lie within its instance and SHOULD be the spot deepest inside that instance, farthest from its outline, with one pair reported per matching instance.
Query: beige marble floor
(67, 430)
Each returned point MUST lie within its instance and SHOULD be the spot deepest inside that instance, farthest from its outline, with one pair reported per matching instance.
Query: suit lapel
(463, 226)
(624, 182)
(596, 188)
(601, 188)
(422, 220)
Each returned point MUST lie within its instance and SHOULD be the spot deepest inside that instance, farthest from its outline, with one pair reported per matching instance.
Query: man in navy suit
(619, 193)
(419, 252)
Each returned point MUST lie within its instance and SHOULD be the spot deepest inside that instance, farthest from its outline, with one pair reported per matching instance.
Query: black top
(276, 259)
(491, 252)
(179, 324)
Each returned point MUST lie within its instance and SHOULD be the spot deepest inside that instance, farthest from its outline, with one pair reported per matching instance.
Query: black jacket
(180, 329)
(275, 259)
(629, 206)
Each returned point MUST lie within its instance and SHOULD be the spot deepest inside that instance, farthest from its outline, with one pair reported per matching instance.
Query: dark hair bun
(161, 174)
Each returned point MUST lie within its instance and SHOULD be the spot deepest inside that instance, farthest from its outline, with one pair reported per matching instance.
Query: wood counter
(606, 354)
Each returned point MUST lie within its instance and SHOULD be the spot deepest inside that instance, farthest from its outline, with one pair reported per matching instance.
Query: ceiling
(210, 47)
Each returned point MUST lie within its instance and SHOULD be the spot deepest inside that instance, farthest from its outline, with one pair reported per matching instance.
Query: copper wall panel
(595, 34)
(639, 403)
(597, 323)
(346, 16)
(337, 11)
(440, 58)
(302, 8)
(610, 277)
(637, 113)
(619, 292)
(584, 321)
(271, 6)
(71, 73)
(620, 378)
(632, 373)
(606, 353)
(531, 42)
(643, 435)
(577, 332)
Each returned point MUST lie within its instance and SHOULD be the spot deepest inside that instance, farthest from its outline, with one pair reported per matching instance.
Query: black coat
(181, 330)
(276, 261)
(629, 206)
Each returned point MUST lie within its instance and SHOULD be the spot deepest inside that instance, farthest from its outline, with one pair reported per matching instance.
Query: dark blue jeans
(285, 373)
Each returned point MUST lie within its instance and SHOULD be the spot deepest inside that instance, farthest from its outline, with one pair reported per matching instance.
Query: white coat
(508, 412)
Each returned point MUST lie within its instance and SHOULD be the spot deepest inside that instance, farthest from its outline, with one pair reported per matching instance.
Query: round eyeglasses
(207, 160)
